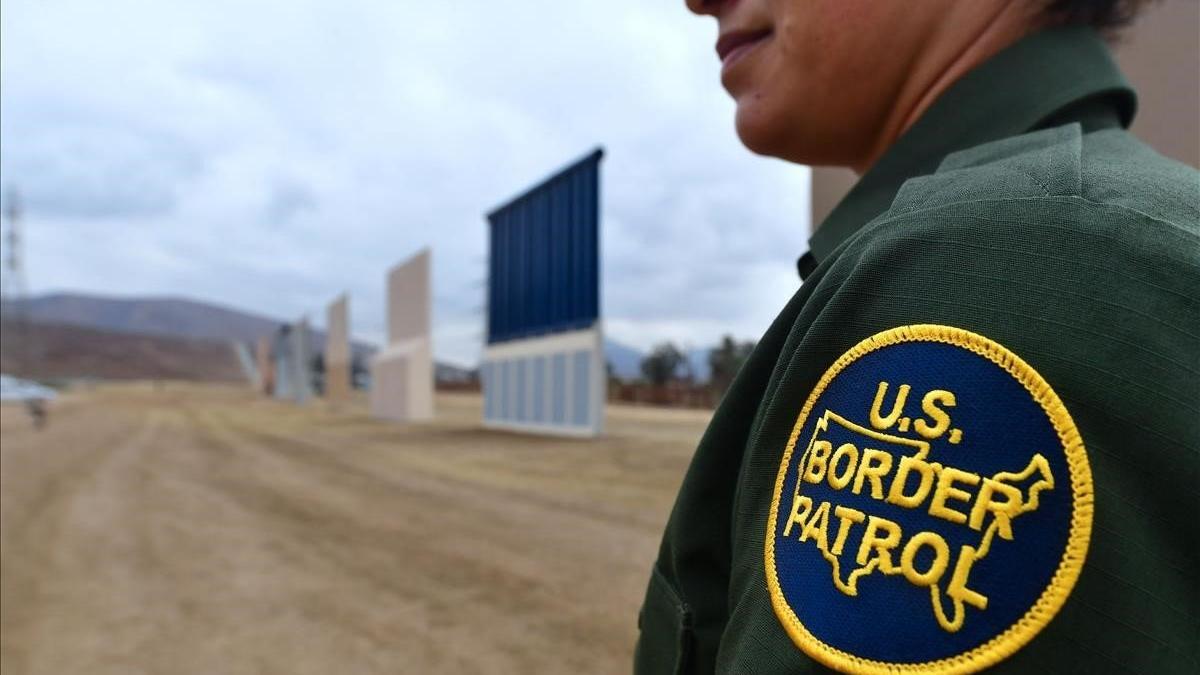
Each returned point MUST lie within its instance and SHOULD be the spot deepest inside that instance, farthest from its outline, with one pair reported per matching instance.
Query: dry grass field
(200, 529)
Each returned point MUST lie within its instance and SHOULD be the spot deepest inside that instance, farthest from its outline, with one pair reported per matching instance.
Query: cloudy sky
(268, 155)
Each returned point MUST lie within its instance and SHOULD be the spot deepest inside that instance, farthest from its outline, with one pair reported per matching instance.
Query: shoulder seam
(888, 216)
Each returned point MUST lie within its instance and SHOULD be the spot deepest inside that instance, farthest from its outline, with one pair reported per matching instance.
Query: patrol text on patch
(932, 508)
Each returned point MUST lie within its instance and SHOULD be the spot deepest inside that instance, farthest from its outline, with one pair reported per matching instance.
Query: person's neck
(952, 53)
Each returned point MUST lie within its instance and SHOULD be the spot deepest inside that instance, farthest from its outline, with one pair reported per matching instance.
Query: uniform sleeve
(1000, 319)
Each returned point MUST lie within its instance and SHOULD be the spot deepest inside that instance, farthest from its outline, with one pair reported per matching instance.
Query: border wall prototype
(281, 349)
(293, 362)
(246, 362)
(266, 366)
(543, 367)
(337, 350)
(402, 374)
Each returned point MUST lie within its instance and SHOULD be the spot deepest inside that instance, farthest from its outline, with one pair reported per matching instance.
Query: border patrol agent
(972, 438)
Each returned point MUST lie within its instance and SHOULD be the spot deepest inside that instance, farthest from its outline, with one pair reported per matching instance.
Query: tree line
(667, 363)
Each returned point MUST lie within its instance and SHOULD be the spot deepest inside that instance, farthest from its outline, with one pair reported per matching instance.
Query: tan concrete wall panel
(402, 384)
(402, 374)
(388, 384)
(266, 366)
(337, 329)
(408, 301)
(337, 350)
(337, 381)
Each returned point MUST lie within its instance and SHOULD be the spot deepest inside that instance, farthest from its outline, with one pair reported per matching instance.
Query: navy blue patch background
(1003, 427)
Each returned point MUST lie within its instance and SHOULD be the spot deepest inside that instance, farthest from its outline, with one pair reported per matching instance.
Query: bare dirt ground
(199, 529)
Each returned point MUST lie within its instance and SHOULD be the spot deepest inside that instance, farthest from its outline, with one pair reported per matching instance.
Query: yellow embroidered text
(867, 542)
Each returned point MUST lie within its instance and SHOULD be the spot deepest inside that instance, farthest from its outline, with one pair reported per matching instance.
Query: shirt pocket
(665, 622)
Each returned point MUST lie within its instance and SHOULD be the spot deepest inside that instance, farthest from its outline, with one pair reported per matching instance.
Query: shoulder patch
(932, 509)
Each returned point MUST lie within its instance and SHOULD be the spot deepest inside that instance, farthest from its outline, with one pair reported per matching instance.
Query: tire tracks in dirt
(34, 542)
(463, 546)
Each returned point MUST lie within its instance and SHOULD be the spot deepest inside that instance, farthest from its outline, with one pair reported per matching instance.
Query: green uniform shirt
(1028, 273)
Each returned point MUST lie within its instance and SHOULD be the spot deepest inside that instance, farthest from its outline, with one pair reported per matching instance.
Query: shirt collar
(1048, 76)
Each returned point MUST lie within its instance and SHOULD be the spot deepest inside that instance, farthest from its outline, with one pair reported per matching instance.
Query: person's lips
(733, 44)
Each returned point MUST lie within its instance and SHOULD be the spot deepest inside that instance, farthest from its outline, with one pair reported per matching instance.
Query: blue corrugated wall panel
(506, 399)
(558, 388)
(582, 386)
(522, 412)
(489, 393)
(539, 389)
(544, 273)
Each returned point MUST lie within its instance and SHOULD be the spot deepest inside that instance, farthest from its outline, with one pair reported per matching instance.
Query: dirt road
(199, 529)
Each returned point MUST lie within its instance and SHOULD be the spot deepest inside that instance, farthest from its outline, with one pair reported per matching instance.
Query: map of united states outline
(814, 523)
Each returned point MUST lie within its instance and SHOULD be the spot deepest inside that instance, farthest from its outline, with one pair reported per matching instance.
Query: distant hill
(626, 361)
(175, 317)
(186, 319)
(164, 316)
(63, 352)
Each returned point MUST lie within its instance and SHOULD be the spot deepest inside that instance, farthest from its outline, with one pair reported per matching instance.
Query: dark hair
(1106, 16)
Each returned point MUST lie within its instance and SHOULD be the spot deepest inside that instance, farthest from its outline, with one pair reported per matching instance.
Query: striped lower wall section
(549, 384)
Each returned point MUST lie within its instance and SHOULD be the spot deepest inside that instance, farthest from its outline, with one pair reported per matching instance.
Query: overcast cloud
(269, 155)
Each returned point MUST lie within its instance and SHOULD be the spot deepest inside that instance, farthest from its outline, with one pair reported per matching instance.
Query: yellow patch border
(1083, 498)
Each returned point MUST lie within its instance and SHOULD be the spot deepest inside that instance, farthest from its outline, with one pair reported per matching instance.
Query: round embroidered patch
(932, 509)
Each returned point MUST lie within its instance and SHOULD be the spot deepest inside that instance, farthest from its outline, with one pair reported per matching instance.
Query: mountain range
(159, 316)
(60, 352)
(194, 320)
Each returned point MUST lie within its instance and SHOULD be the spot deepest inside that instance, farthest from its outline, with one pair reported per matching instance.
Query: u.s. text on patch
(932, 509)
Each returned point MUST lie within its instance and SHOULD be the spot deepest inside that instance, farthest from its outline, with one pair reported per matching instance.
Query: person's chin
(759, 130)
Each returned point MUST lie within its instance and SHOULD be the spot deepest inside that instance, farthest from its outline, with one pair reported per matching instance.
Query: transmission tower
(14, 290)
